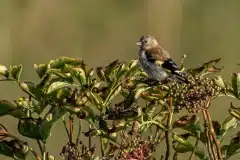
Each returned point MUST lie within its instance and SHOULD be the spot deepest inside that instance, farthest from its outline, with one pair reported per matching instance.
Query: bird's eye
(145, 41)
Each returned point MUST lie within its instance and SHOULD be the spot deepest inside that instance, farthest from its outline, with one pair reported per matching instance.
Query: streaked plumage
(156, 61)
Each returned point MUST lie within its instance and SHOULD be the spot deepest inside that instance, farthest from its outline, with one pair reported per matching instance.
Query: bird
(157, 62)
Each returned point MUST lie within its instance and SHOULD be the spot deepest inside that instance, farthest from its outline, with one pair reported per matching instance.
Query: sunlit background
(36, 31)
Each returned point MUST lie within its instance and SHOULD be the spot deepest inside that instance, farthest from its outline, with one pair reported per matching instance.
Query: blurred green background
(36, 31)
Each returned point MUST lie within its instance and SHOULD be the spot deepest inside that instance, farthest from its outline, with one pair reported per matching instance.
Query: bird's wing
(161, 57)
(170, 65)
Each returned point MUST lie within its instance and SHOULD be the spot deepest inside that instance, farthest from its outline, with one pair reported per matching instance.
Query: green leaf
(16, 72)
(4, 71)
(41, 69)
(140, 89)
(233, 146)
(7, 108)
(45, 126)
(62, 61)
(219, 81)
(229, 123)
(28, 105)
(6, 149)
(61, 74)
(188, 123)
(145, 125)
(109, 70)
(31, 89)
(217, 128)
(57, 85)
(115, 92)
(20, 149)
(236, 84)
(78, 73)
(207, 67)
(122, 70)
(182, 145)
(50, 157)
(100, 73)
(15, 149)
(96, 158)
(29, 127)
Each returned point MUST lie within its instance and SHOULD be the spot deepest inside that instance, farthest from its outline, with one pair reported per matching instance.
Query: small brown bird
(156, 61)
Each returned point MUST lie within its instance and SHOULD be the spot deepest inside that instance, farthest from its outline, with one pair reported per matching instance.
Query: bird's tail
(181, 76)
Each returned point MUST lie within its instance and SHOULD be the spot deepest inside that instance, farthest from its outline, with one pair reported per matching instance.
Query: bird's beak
(139, 43)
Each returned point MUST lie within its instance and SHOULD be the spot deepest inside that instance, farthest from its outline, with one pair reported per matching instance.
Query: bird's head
(147, 42)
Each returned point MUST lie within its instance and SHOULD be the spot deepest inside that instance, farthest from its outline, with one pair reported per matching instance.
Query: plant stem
(40, 146)
(79, 132)
(65, 126)
(175, 156)
(89, 138)
(210, 148)
(212, 132)
(70, 128)
(169, 121)
(101, 145)
(34, 153)
(44, 151)
(195, 146)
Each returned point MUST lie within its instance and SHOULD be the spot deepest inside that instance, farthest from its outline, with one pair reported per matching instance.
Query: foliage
(107, 98)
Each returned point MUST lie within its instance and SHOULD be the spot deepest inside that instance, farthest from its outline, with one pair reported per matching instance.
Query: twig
(70, 129)
(195, 146)
(101, 145)
(89, 138)
(210, 148)
(175, 156)
(79, 131)
(44, 151)
(169, 121)
(65, 126)
(40, 146)
(215, 140)
(34, 153)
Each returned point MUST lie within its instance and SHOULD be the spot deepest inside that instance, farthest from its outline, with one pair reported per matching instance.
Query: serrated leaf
(115, 92)
(41, 69)
(62, 61)
(236, 84)
(57, 85)
(78, 73)
(219, 81)
(110, 69)
(233, 146)
(121, 71)
(20, 149)
(100, 73)
(16, 72)
(46, 124)
(4, 71)
(139, 90)
(217, 128)
(6, 149)
(29, 127)
(133, 63)
(188, 123)
(182, 145)
(32, 90)
(229, 123)
(145, 125)
(207, 67)
(3, 132)
(96, 158)
(62, 75)
(7, 108)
